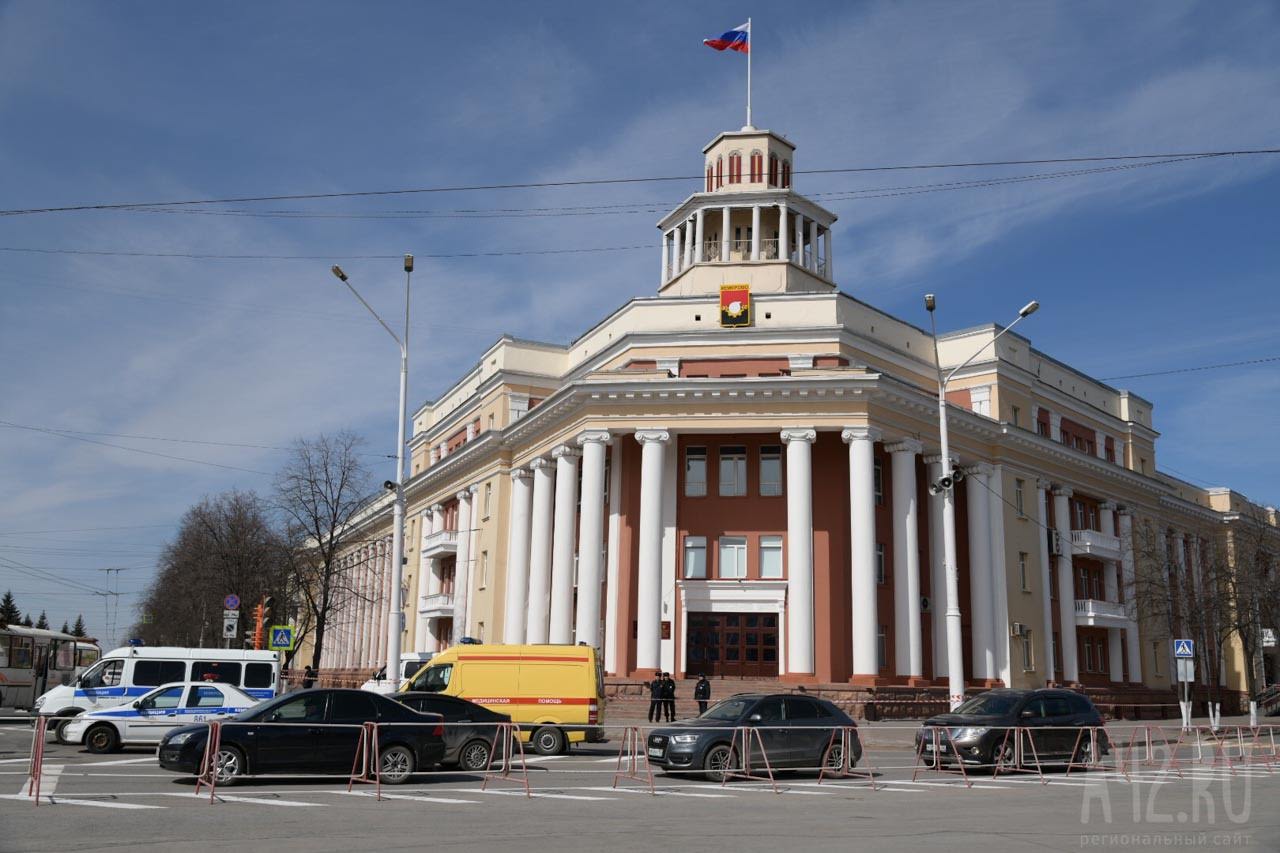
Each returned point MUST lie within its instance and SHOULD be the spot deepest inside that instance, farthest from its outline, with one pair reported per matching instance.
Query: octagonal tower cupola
(747, 226)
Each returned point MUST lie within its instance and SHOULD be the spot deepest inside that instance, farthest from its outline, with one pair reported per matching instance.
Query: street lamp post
(395, 622)
(946, 485)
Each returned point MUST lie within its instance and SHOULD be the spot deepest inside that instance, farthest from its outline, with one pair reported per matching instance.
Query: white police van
(125, 674)
(410, 663)
(146, 719)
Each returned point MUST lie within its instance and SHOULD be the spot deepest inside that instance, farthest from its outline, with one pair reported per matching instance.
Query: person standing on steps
(702, 692)
(669, 697)
(655, 698)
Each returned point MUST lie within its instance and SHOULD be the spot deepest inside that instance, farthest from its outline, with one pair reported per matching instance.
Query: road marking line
(541, 759)
(149, 758)
(48, 781)
(102, 804)
(661, 793)
(264, 801)
(958, 784)
(542, 795)
(438, 800)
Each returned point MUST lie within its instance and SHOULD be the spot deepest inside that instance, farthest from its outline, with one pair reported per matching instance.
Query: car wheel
(102, 738)
(396, 765)
(833, 758)
(548, 740)
(64, 720)
(1001, 752)
(229, 765)
(720, 759)
(474, 756)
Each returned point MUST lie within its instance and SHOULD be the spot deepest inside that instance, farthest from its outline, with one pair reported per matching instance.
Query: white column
(563, 544)
(981, 591)
(462, 566)
(437, 526)
(590, 537)
(537, 625)
(517, 580)
(1111, 584)
(826, 254)
(799, 549)
(1046, 577)
(724, 233)
(813, 245)
(784, 247)
(379, 602)
(613, 584)
(862, 539)
(907, 639)
(1133, 649)
(362, 631)
(799, 239)
(1066, 585)
(937, 572)
(755, 232)
(666, 255)
(999, 578)
(677, 254)
(473, 537)
(649, 564)
(688, 243)
(698, 236)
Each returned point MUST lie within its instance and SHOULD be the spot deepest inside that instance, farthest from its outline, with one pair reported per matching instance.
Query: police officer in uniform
(669, 697)
(702, 692)
(655, 698)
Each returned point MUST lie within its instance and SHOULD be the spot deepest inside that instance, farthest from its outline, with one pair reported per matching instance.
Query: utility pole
(111, 602)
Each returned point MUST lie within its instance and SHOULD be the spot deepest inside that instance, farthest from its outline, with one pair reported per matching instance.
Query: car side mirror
(137, 704)
(1027, 714)
(274, 718)
(754, 718)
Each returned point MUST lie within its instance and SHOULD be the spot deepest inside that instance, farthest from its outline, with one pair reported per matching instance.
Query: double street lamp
(946, 486)
(395, 622)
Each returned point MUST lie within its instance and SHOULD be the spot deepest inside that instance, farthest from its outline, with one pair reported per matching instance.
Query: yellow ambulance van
(555, 692)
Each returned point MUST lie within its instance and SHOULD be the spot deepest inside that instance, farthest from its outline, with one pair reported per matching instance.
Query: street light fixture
(946, 485)
(395, 622)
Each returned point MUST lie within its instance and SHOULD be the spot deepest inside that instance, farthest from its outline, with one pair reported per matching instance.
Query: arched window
(735, 167)
(719, 172)
(757, 167)
(786, 174)
(773, 170)
(709, 178)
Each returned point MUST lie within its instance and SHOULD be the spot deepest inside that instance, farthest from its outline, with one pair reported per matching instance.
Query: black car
(466, 746)
(253, 742)
(979, 726)
(796, 732)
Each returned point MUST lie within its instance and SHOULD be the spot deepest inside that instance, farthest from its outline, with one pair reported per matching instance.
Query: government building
(732, 477)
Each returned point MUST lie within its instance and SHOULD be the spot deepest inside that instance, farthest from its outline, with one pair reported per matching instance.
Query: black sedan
(465, 746)
(796, 732)
(311, 731)
(977, 730)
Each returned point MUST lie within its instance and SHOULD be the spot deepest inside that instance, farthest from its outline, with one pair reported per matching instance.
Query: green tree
(9, 612)
(43, 621)
(26, 620)
(66, 629)
(77, 630)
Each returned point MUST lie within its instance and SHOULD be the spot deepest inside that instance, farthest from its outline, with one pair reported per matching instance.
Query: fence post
(368, 754)
(35, 767)
(508, 733)
(630, 754)
(208, 774)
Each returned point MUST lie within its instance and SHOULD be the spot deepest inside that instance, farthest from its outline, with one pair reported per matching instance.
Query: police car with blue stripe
(146, 720)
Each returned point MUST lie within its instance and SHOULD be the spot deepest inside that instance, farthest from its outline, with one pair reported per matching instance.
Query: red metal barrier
(35, 767)
(1264, 752)
(1092, 752)
(844, 768)
(1014, 760)
(509, 735)
(630, 756)
(368, 759)
(933, 745)
(208, 774)
(746, 735)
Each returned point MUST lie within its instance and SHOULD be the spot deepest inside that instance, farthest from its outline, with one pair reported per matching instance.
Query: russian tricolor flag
(738, 39)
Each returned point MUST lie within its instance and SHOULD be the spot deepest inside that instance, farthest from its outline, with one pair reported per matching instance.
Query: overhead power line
(616, 181)
(204, 256)
(1194, 369)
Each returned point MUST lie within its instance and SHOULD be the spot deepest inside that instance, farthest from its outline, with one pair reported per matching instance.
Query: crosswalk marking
(265, 801)
(102, 804)
(149, 759)
(540, 795)
(663, 793)
(427, 799)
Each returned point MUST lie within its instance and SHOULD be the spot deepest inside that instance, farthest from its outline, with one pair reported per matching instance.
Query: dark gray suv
(796, 732)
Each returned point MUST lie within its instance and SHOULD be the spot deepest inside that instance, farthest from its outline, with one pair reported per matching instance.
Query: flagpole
(748, 72)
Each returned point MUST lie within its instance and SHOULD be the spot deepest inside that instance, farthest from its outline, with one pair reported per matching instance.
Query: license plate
(928, 747)
(655, 751)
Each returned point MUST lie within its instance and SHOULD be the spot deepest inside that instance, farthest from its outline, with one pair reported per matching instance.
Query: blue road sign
(231, 602)
(1184, 649)
(281, 639)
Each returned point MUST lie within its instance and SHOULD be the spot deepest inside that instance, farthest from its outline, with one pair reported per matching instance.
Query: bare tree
(319, 493)
(1249, 544)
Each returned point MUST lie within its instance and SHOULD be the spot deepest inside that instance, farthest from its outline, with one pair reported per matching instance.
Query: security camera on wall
(389, 485)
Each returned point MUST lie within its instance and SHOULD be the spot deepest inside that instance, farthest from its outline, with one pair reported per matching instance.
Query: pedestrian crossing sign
(1184, 648)
(281, 639)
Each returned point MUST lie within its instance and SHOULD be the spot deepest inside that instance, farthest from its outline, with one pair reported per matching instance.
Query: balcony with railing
(1095, 543)
(1106, 614)
(440, 543)
(434, 606)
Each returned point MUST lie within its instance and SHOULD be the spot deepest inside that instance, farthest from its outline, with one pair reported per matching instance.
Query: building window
(770, 556)
(695, 557)
(1028, 653)
(709, 178)
(484, 569)
(733, 471)
(480, 631)
(1088, 656)
(1019, 489)
(1042, 428)
(695, 472)
(1053, 583)
(879, 563)
(1079, 512)
(757, 167)
(719, 172)
(773, 170)
(1014, 412)
(1022, 571)
(770, 470)
(733, 557)
(1142, 464)
(1104, 664)
(882, 648)
(735, 167)
(1093, 518)
(1057, 653)
(488, 497)
(877, 474)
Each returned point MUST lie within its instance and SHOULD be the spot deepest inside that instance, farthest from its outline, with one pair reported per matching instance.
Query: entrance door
(734, 645)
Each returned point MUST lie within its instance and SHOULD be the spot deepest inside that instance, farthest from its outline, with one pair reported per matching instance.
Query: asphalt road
(125, 800)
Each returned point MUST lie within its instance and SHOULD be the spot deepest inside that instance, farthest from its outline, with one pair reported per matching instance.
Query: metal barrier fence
(379, 752)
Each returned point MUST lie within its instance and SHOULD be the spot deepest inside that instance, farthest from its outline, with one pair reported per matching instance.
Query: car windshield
(728, 710)
(988, 704)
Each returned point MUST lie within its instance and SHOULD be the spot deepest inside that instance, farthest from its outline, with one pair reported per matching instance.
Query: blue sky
(1140, 270)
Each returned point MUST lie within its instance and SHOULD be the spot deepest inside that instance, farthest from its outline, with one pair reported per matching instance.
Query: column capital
(807, 435)
(1107, 506)
(1177, 534)
(464, 495)
(540, 463)
(860, 433)
(437, 508)
(1124, 511)
(474, 490)
(980, 469)
(660, 436)
(565, 450)
(1043, 485)
(1062, 491)
(520, 473)
(936, 459)
(907, 445)
(599, 436)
